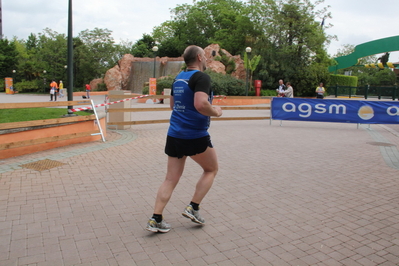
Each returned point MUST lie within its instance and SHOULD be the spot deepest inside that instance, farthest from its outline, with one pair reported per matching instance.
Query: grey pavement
(303, 193)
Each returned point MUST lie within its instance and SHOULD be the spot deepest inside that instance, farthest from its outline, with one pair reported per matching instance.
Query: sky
(354, 21)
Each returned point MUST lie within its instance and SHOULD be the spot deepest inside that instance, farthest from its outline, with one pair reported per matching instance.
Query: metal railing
(386, 92)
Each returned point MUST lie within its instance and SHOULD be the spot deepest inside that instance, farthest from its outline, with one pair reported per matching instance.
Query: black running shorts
(186, 147)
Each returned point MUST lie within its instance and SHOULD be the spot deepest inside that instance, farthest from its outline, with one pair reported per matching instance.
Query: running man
(191, 102)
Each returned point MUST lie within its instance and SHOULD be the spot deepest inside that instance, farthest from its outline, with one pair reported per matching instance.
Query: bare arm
(172, 102)
(204, 107)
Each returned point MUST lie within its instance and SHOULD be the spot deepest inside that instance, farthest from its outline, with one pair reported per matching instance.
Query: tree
(225, 22)
(124, 47)
(8, 55)
(293, 43)
(143, 47)
(97, 53)
(251, 65)
(52, 50)
(385, 77)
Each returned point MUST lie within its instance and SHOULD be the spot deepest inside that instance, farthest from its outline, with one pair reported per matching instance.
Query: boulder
(211, 51)
(240, 71)
(113, 79)
(216, 66)
(125, 66)
(94, 83)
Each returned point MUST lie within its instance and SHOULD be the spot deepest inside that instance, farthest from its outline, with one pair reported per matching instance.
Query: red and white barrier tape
(124, 100)
(104, 104)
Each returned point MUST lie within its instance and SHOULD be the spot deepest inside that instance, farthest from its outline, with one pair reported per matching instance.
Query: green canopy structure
(365, 49)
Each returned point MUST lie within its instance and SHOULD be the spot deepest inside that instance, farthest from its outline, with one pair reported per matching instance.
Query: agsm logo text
(348, 111)
(306, 110)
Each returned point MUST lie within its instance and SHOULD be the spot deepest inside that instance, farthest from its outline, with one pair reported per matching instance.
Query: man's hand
(218, 110)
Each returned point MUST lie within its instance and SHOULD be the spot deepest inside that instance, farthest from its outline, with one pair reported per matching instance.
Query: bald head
(190, 54)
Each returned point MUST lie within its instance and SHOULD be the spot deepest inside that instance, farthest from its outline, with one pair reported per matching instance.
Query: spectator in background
(53, 90)
(289, 91)
(320, 91)
(281, 88)
(88, 89)
(61, 89)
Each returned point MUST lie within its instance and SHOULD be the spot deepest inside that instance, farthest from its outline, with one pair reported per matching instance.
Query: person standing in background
(61, 89)
(88, 89)
(53, 91)
(289, 92)
(281, 88)
(320, 91)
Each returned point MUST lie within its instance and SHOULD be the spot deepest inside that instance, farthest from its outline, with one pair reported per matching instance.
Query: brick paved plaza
(298, 194)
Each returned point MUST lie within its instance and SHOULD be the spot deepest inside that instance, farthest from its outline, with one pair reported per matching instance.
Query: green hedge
(101, 87)
(268, 93)
(30, 86)
(343, 80)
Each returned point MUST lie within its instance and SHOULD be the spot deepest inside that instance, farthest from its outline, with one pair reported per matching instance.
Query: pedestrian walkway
(304, 193)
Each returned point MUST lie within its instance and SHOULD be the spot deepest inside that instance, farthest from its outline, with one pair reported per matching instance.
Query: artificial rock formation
(120, 76)
(213, 51)
(94, 83)
(113, 78)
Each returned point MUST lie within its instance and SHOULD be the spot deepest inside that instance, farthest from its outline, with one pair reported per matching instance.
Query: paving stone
(303, 193)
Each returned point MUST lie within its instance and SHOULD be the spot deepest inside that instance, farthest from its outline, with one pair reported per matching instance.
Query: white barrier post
(119, 116)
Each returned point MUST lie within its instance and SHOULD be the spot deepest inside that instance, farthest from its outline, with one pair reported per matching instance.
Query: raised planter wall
(79, 127)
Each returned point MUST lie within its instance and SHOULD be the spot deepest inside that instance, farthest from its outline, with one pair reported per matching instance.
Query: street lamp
(44, 80)
(248, 51)
(13, 79)
(155, 50)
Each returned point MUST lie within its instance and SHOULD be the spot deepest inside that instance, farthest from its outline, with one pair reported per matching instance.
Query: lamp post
(44, 80)
(155, 50)
(13, 79)
(70, 59)
(248, 51)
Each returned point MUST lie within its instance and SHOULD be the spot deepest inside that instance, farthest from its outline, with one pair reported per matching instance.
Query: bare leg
(174, 171)
(209, 163)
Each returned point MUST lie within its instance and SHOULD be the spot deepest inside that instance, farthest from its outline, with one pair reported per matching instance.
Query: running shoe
(153, 226)
(194, 215)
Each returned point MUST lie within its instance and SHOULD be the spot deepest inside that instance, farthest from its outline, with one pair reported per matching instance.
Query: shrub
(221, 84)
(230, 64)
(164, 83)
(30, 86)
(268, 93)
(101, 87)
(226, 85)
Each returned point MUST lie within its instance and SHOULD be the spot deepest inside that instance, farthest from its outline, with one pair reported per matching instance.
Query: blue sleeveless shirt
(186, 122)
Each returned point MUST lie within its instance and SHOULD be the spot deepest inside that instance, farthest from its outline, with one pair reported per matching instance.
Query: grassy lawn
(30, 114)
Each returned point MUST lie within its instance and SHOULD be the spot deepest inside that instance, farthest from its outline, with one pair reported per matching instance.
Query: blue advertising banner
(342, 111)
